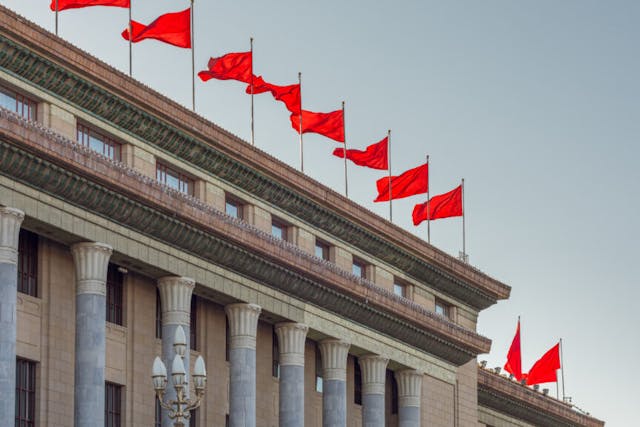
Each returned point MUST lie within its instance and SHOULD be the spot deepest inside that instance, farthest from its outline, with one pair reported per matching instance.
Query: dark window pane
(319, 380)
(275, 356)
(115, 280)
(158, 315)
(193, 327)
(112, 405)
(28, 263)
(357, 383)
(394, 394)
(25, 393)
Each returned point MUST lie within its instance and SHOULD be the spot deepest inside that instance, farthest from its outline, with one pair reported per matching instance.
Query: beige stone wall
(438, 408)
(489, 417)
(467, 394)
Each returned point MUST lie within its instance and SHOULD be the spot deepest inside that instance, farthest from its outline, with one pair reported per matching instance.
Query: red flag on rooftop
(232, 66)
(330, 124)
(173, 28)
(414, 181)
(374, 156)
(441, 206)
(77, 4)
(514, 357)
(545, 369)
(289, 95)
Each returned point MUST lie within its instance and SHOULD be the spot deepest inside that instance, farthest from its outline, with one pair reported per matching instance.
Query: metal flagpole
(253, 142)
(344, 126)
(389, 160)
(300, 125)
(464, 249)
(56, 17)
(428, 212)
(130, 37)
(562, 369)
(193, 63)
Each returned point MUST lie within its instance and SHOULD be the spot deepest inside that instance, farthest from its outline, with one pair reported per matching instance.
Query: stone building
(124, 215)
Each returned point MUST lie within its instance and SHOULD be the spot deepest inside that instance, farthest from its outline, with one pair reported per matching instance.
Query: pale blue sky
(535, 104)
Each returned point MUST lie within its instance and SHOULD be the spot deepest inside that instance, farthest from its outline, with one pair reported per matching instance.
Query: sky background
(535, 104)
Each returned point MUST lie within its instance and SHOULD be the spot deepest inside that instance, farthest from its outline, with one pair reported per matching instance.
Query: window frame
(325, 249)
(111, 148)
(319, 383)
(445, 306)
(185, 181)
(114, 295)
(193, 323)
(113, 393)
(357, 382)
(235, 203)
(22, 102)
(275, 355)
(158, 314)
(28, 260)
(357, 262)
(283, 226)
(25, 392)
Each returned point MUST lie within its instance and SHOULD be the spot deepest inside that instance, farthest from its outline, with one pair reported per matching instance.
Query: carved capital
(175, 299)
(291, 338)
(409, 387)
(374, 373)
(334, 359)
(10, 221)
(243, 324)
(91, 261)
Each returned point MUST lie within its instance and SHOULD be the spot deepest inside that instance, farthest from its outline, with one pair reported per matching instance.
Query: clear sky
(535, 104)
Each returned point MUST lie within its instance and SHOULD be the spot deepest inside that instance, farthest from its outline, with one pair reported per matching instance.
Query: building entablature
(101, 91)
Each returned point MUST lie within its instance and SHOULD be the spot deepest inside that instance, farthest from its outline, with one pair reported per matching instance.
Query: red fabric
(289, 95)
(330, 124)
(77, 4)
(232, 66)
(414, 181)
(374, 156)
(514, 357)
(173, 28)
(545, 369)
(441, 206)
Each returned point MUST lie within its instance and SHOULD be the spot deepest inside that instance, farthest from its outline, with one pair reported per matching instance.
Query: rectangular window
(227, 339)
(322, 250)
(171, 177)
(233, 208)
(319, 382)
(357, 382)
(158, 417)
(400, 288)
(25, 393)
(275, 356)
(115, 281)
(28, 263)
(23, 106)
(442, 308)
(193, 327)
(359, 268)
(158, 315)
(98, 142)
(193, 418)
(394, 392)
(112, 405)
(278, 229)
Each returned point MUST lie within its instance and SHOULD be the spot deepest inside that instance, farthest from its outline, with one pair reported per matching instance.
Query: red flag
(173, 28)
(441, 206)
(374, 156)
(77, 4)
(330, 124)
(289, 95)
(514, 357)
(544, 370)
(414, 181)
(232, 66)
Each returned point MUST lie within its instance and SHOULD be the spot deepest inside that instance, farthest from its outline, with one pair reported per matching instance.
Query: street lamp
(179, 409)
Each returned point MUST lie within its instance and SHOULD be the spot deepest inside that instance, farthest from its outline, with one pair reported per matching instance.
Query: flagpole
(428, 212)
(562, 369)
(193, 62)
(300, 125)
(389, 160)
(253, 142)
(344, 127)
(56, 17)
(130, 37)
(464, 249)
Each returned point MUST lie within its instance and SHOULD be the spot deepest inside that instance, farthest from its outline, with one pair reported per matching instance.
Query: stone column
(10, 220)
(243, 325)
(409, 394)
(374, 372)
(334, 382)
(175, 301)
(91, 262)
(291, 339)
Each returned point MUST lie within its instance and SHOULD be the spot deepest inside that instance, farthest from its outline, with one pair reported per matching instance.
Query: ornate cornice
(126, 103)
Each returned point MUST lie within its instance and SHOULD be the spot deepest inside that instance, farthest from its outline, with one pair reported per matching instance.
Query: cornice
(104, 92)
(53, 164)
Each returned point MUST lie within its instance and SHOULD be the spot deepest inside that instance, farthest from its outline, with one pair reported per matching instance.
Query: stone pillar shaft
(243, 325)
(291, 340)
(91, 263)
(334, 354)
(409, 396)
(10, 221)
(374, 370)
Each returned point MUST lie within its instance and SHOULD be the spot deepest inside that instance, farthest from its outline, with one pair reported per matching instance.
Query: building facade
(123, 216)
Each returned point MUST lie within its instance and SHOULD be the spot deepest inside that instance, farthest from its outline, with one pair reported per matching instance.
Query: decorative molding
(374, 373)
(10, 221)
(409, 387)
(175, 298)
(243, 324)
(91, 260)
(334, 354)
(291, 340)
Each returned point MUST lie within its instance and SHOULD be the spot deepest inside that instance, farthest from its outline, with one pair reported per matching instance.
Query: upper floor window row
(173, 178)
(98, 142)
(25, 107)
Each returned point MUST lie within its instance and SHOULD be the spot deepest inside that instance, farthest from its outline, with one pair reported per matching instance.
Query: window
(233, 207)
(158, 315)
(25, 107)
(227, 339)
(394, 392)
(357, 382)
(275, 356)
(98, 142)
(278, 229)
(226, 420)
(28, 263)
(158, 418)
(318, 370)
(25, 393)
(112, 405)
(400, 288)
(193, 324)
(442, 308)
(359, 268)
(174, 179)
(322, 250)
(193, 418)
(115, 281)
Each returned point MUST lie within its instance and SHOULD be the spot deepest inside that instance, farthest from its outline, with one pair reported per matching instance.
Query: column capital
(334, 359)
(374, 373)
(291, 338)
(409, 387)
(243, 324)
(175, 298)
(91, 261)
(10, 221)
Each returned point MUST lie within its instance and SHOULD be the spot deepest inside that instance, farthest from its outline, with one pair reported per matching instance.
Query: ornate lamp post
(179, 409)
